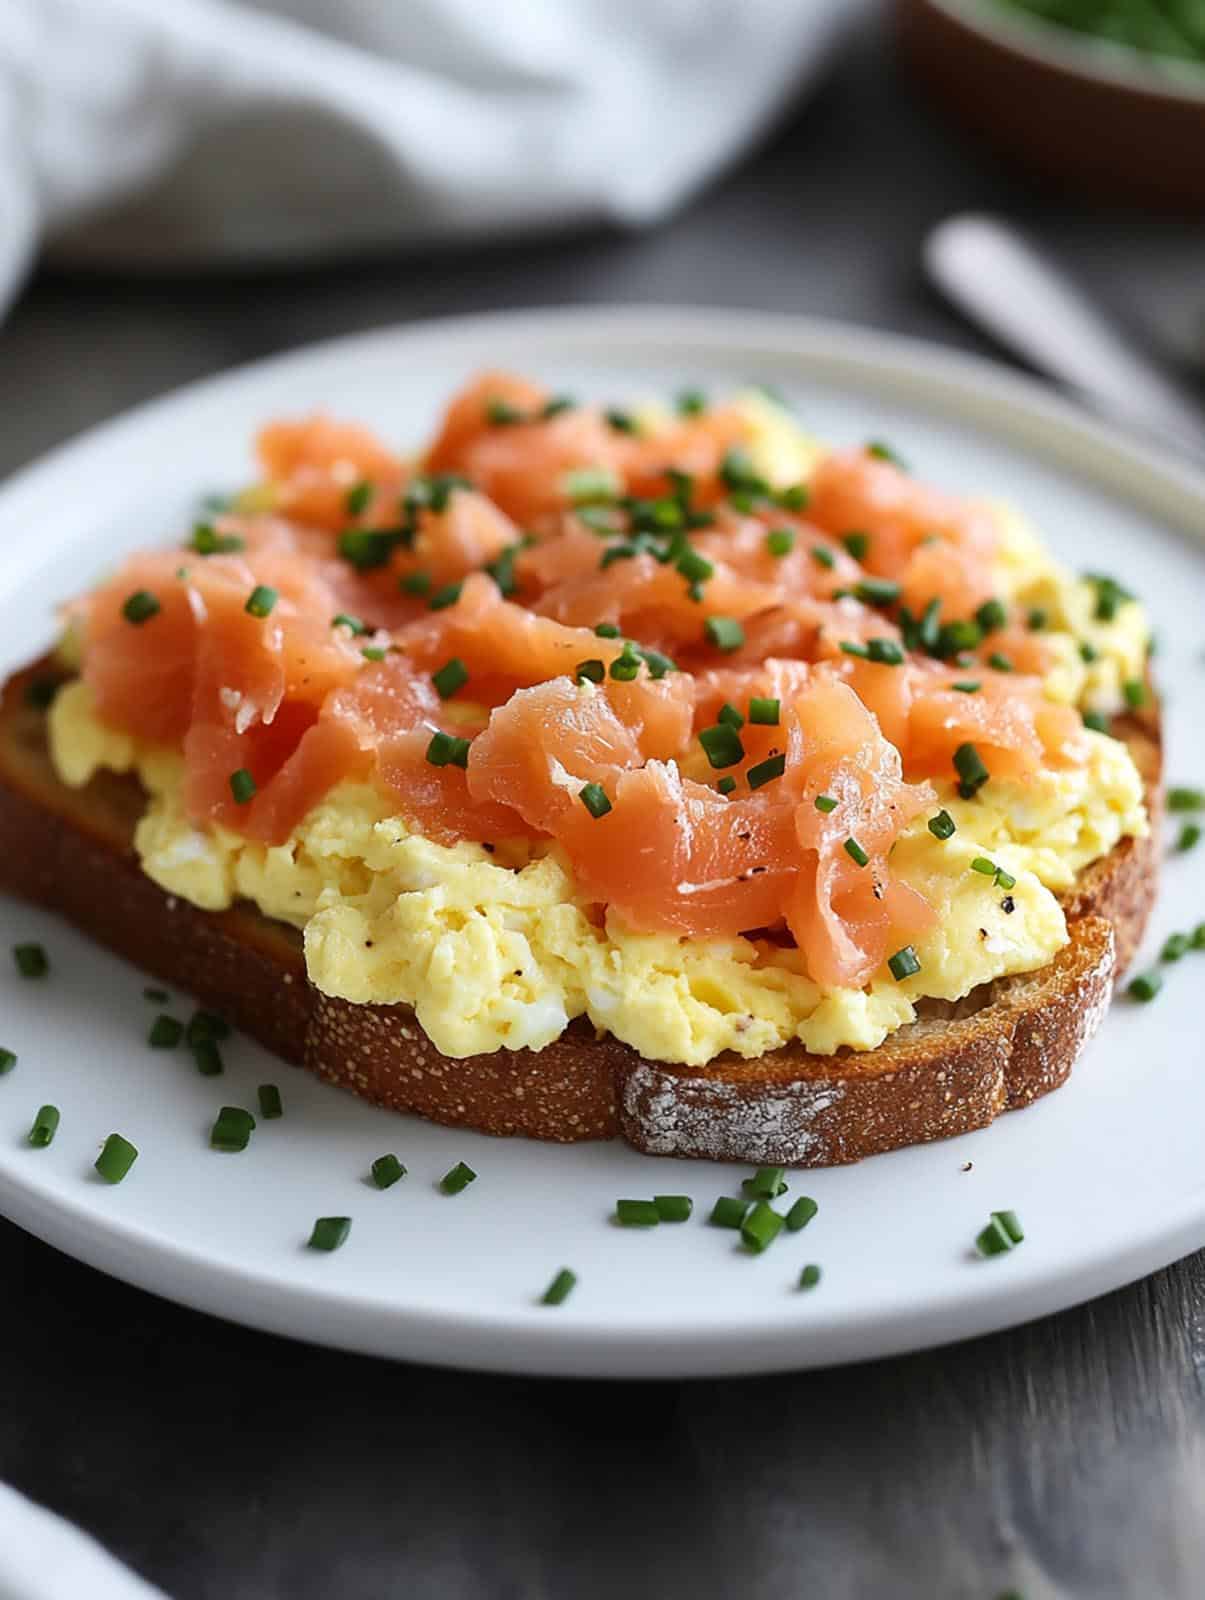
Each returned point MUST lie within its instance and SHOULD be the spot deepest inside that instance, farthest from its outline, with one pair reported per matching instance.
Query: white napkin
(150, 132)
(44, 1558)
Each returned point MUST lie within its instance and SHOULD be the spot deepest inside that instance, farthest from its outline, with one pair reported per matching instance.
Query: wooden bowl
(1079, 112)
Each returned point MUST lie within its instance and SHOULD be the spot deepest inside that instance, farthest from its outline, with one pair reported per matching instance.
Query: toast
(953, 1070)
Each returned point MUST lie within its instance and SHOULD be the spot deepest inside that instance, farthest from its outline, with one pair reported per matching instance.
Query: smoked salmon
(721, 699)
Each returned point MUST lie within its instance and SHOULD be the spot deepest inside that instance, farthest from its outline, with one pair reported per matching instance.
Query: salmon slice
(852, 491)
(670, 854)
(313, 464)
(848, 917)
(522, 463)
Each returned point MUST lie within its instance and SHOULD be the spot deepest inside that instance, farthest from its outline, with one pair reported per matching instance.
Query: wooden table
(1066, 1459)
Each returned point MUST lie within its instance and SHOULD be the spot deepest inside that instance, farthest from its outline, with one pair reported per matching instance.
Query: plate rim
(1007, 405)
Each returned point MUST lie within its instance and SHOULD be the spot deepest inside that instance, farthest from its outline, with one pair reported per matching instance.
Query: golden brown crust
(71, 850)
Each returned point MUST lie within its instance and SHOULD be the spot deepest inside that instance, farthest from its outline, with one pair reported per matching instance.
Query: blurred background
(189, 184)
(192, 183)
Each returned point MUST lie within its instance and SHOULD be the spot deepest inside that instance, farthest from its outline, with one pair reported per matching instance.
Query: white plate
(1106, 1174)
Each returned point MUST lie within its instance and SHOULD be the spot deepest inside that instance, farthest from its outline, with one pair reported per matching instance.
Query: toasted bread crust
(71, 850)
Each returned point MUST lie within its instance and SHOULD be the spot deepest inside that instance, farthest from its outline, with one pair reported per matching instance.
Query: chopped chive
(637, 1213)
(556, 406)
(801, 1213)
(1175, 946)
(695, 567)
(995, 1239)
(626, 667)
(882, 451)
(242, 786)
(1198, 936)
(1190, 836)
(767, 1183)
(1182, 799)
(447, 596)
(674, 1207)
(31, 960)
(967, 686)
(823, 557)
(446, 750)
(386, 1171)
(501, 414)
(232, 1130)
(885, 651)
(878, 591)
(1005, 880)
(372, 652)
(606, 630)
(852, 647)
(592, 671)
(116, 1158)
(1145, 986)
(207, 1056)
(999, 662)
(270, 1103)
(358, 497)
(858, 544)
(1134, 691)
(764, 711)
(658, 664)
(855, 852)
(728, 1212)
(457, 1179)
(761, 1227)
(728, 713)
(765, 771)
(722, 744)
(793, 498)
(329, 1233)
(8, 1060)
(140, 607)
(261, 600)
(416, 583)
(904, 964)
(725, 633)
(366, 548)
(826, 803)
(781, 541)
(971, 771)
(1011, 1224)
(559, 1290)
(983, 865)
(594, 797)
(45, 1126)
(1088, 652)
(1037, 619)
(620, 421)
(810, 1276)
(451, 676)
(691, 403)
(1098, 721)
(346, 620)
(207, 541)
(991, 615)
(166, 1033)
(1110, 595)
(942, 825)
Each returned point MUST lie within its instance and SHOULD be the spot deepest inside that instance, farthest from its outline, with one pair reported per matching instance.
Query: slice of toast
(953, 1070)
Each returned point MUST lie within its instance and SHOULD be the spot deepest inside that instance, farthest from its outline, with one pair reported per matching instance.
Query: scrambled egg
(497, 951)
(493, 951)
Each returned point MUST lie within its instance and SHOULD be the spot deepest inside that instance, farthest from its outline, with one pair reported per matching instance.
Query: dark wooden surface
(1066, 1459)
